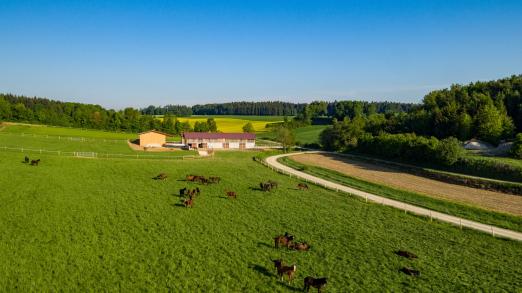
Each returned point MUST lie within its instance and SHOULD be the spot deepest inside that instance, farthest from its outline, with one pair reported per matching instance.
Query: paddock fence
(96, 155)
(406, 207)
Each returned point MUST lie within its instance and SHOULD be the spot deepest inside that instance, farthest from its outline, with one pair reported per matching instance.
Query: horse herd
(287, 240)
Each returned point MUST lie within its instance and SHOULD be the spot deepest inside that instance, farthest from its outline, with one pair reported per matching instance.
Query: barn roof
(156, 131)
(218, 135)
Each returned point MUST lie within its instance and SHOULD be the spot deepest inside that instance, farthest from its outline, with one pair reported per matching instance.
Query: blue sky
(136, 53)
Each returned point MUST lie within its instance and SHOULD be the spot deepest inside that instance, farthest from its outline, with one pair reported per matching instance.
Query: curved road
(495, 231)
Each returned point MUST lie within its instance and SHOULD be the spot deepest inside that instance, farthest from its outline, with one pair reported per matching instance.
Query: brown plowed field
(391, 177)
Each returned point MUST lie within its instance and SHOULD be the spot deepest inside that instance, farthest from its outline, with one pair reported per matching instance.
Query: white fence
(419, 211)
(96, 155)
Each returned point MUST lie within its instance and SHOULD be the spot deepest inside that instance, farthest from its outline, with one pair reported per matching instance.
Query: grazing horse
(302, 246)
(35, 162)
(191, 178)
(410, 271)
(26, 159)
(282, 270)
(407, 254)
(265, 186)
(273, 184)
(318, 283)
(231, 194)
(302, 186)
(188, 202)
(161, 176)
(284, 240)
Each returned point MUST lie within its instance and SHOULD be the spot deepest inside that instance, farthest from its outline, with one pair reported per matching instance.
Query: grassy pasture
(59, 140)
(65, 131)
(303, 135)
(457, 209)
(105, 225)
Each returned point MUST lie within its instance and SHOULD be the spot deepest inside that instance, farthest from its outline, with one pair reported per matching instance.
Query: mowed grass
(11, 136)
(65, 131)
(456, 209)
(303, 135)
(104, 225)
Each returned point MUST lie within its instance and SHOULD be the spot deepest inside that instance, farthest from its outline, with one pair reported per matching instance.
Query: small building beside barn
(217, 140)
(153, 139)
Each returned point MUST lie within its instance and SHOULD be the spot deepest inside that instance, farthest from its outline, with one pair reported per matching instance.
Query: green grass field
(303, 135)
(65, 131)
(75, 224)
(504, 160)
(456, 209)
(72, 140)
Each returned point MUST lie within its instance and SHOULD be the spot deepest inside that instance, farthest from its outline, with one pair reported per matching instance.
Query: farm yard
(99, 224)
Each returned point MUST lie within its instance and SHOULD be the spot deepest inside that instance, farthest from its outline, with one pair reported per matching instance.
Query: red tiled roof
(218, 135)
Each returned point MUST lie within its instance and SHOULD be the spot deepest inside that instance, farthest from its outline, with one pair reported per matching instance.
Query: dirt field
(388, 176)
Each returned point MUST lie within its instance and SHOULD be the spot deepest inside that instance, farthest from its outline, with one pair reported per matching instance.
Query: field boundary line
(273, 164)
(59, 137)
(96, 155)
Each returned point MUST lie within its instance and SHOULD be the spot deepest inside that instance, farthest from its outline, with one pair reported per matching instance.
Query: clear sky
(136, 53)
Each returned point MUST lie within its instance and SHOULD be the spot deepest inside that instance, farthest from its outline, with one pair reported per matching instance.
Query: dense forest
(490, 111)
(273, 108)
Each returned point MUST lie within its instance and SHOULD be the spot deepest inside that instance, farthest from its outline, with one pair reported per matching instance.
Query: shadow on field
(262, 270)
(178, 205)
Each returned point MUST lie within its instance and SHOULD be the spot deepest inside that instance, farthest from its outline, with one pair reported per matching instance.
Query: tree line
(432, 131)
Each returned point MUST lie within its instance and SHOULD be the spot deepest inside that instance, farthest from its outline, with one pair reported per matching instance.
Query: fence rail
(96, 155)
(407, 208)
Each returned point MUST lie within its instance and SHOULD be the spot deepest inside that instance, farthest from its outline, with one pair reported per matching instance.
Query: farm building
(206, 140)
(153, 139)
(477, 145)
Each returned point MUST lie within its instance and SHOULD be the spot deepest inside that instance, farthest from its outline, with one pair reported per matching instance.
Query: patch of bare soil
(399, 179)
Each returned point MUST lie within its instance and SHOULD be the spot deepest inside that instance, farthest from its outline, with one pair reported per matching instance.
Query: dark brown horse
(302, 246)
(26, 160)
(35, 162)
(284, 240)
(265, 186)
(282, 270)
(188, 203)
(161, 176)
(410, 271)
(406, 254)
(318, 283)
(302, 186)
(231, 194)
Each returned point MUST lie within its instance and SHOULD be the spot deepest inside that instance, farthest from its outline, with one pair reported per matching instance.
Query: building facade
(206, 140)
(152, 139)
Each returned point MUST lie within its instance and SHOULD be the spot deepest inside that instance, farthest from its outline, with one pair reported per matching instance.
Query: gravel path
(495, 231)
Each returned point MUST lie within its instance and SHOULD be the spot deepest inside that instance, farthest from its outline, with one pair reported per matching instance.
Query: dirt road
(495, 231)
